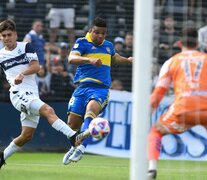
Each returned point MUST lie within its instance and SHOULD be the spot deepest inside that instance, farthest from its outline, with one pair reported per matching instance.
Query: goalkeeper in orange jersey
(187, 72)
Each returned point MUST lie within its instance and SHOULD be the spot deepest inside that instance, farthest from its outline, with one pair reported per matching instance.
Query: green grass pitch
(48, 166)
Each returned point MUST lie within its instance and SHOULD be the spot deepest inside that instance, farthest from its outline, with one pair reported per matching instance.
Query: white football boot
(66, 158)
(77, 154)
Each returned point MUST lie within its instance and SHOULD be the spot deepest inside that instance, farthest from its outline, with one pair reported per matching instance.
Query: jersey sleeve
(165, 78)
(79, 46)
(30, 52)
(113, 50)
(162, 85)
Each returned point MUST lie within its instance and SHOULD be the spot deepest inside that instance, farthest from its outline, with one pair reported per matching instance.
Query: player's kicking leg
(80, 150)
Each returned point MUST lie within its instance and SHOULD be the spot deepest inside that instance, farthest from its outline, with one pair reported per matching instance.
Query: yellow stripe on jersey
(90, 114)
(74, 114)
(75, 52)
(92, 79)
(105, 58)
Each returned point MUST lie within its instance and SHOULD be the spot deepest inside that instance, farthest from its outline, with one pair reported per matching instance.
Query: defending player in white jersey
(20, 64)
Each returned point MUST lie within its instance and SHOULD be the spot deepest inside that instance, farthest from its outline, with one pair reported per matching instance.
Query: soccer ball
(99, 128)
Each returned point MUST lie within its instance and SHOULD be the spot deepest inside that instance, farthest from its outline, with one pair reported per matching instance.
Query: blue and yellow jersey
(89, 73)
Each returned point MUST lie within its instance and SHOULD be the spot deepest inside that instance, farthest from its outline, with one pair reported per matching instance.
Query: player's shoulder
(190, 53)
(108, 43)
(81, 40)
(178, 56)
(25, 47)
(21, 44)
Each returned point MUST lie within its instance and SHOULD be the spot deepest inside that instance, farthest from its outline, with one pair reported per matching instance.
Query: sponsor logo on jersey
(19, 51)
(75, 45)
(108, 49)
(9, 63)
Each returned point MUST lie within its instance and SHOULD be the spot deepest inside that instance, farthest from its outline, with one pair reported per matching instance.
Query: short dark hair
(7, 25)
(99, 22)
(190, 37)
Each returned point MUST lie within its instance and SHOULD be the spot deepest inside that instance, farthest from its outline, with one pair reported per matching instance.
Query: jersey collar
(88, 37)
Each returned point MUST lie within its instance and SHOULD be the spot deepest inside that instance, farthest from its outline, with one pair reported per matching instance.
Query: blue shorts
(81, 97)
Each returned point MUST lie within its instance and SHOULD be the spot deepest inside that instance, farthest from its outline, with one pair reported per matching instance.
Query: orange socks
(154, 144)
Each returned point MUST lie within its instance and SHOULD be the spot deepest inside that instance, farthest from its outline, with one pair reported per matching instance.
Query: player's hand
(130, 60)
(19, 78)
(96, 61)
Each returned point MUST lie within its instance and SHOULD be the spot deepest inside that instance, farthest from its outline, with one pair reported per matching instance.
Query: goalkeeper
(187, 71)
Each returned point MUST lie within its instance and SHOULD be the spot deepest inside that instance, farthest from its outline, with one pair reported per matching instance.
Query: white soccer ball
(99, 128)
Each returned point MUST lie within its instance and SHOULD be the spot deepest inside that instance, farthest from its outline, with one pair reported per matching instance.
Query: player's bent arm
(118, 59)
(76, 59)
(156, 96)
(33, 68)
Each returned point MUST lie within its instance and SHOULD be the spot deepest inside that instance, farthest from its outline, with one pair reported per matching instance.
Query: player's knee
(50, 110)
(160, 128)
(47, 111)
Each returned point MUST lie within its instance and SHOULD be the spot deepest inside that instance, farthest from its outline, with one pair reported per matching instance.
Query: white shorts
(29, 104)
(56, 16)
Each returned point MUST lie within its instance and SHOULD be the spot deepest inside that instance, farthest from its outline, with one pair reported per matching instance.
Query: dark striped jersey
(15, 61)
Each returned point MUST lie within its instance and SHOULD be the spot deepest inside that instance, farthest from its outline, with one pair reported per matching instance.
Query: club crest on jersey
(75, 46)
(93, 47)
(108, 50)
(19, 51)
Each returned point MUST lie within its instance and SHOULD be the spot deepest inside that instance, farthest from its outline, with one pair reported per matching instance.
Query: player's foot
(152, 174)
(78, 137)
(66, 157)
(77, 154)
(2, 161)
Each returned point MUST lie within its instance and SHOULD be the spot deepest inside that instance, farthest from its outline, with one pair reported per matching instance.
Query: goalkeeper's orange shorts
(179, 119)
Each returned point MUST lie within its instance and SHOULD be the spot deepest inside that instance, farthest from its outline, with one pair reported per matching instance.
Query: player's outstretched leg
(79, 151)
(2, 161)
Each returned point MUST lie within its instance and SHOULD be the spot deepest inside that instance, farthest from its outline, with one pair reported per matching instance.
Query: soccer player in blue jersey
(94, 55)
(20, 64)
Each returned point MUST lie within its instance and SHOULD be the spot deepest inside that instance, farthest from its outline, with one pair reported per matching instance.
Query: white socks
(11, 149)
(82, 148)
(152, 165)
(61, 126)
